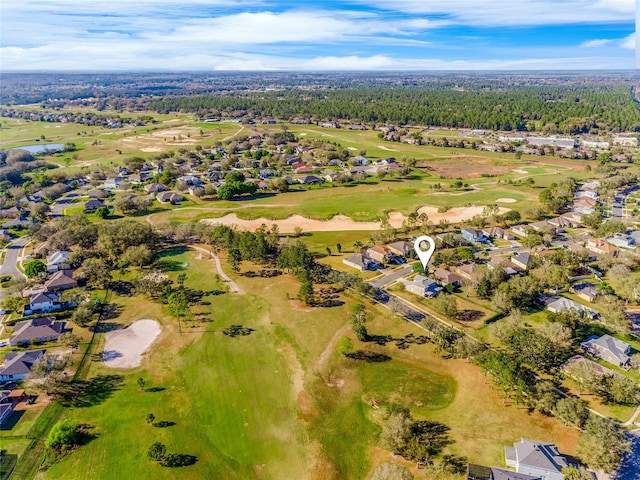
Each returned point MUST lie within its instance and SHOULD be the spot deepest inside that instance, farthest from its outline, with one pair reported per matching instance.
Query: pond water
(41, 148)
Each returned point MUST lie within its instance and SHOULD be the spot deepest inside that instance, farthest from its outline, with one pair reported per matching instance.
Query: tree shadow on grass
(369, 356)
(110, 311)
(164, 424)
(87, 393)
(155, 389)
(174, 460)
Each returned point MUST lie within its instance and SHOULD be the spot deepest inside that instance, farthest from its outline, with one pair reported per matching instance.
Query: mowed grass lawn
(281, 402)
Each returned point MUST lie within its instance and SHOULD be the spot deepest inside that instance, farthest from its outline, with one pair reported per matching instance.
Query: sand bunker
(519, 170)
(506, 200)
(288, 225)
(152, 149)
(124, 348)
(382, 147)
(344, 223)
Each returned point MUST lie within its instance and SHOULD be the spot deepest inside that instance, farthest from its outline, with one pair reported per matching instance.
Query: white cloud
(515, 12)
(290, 26)
(629, 42)
(596, 43)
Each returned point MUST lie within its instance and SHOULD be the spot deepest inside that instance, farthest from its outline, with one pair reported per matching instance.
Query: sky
(256, 35)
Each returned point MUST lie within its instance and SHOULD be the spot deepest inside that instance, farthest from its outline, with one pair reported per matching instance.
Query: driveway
(391, 276)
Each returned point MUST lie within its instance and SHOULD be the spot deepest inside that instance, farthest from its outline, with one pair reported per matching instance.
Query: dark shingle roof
(20, 363)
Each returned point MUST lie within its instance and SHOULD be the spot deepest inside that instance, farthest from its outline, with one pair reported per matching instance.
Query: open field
(280, 402)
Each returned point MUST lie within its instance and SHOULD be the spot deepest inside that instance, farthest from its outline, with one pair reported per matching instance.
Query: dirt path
(232, 285)
(331, 346)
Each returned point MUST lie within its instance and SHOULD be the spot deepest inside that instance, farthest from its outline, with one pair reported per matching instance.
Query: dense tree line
(569, 109)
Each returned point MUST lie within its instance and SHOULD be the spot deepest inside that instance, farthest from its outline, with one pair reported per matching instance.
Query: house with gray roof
(42, 302)
(479, 472)
(567, 305)
(521, 259)
(360, 262)
(423, 286)
(61, 280)
(586, 291)
(38, 329)
(17, 365)
(537, 459)
(609, 349)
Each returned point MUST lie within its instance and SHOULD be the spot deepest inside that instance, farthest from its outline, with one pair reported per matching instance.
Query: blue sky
(316, 35)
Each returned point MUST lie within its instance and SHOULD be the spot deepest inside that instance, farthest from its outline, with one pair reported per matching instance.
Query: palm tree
(358, 245)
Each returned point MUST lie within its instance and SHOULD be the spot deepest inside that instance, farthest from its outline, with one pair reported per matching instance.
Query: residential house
(567, 305)
(61, 280)
(43, 302)
(310, 180)
(479, 472)
(360, 262)
(93, 205)
(10, 212)
(625, 141)
(521, 259)
(543, 226)
(360, 160)
(622, 240)
(538, 459)
(609, 349)
(58, 261)
(400, 248)
(497, 232)
(39, 329)
(552, 142)
(190, 180)
(331, 177)
(520, 230)
(169, 197)
(466, 270)
(97, 194)
(509, 267)
(600, 247)
(472, 235)
(379, 254)
(423, 286)
(445, 277)
(154, 188)
(113, 183)
(580, 250)
(586, 291)
(562, 222)
(17, 365)
(304, 169)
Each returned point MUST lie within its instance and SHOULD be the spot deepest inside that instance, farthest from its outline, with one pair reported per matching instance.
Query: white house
(42, 302)
(58, 261)
(360, 262)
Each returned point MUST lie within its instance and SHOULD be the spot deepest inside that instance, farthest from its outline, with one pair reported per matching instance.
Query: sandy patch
(124, 348)
(152, 149)
(344, 223)
(353, 149)
(506, 200)
(382, 147)
(519, 170)
(288, 225)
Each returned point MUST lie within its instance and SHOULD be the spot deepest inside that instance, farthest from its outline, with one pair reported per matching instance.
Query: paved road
(391, 276)
(10, 265)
